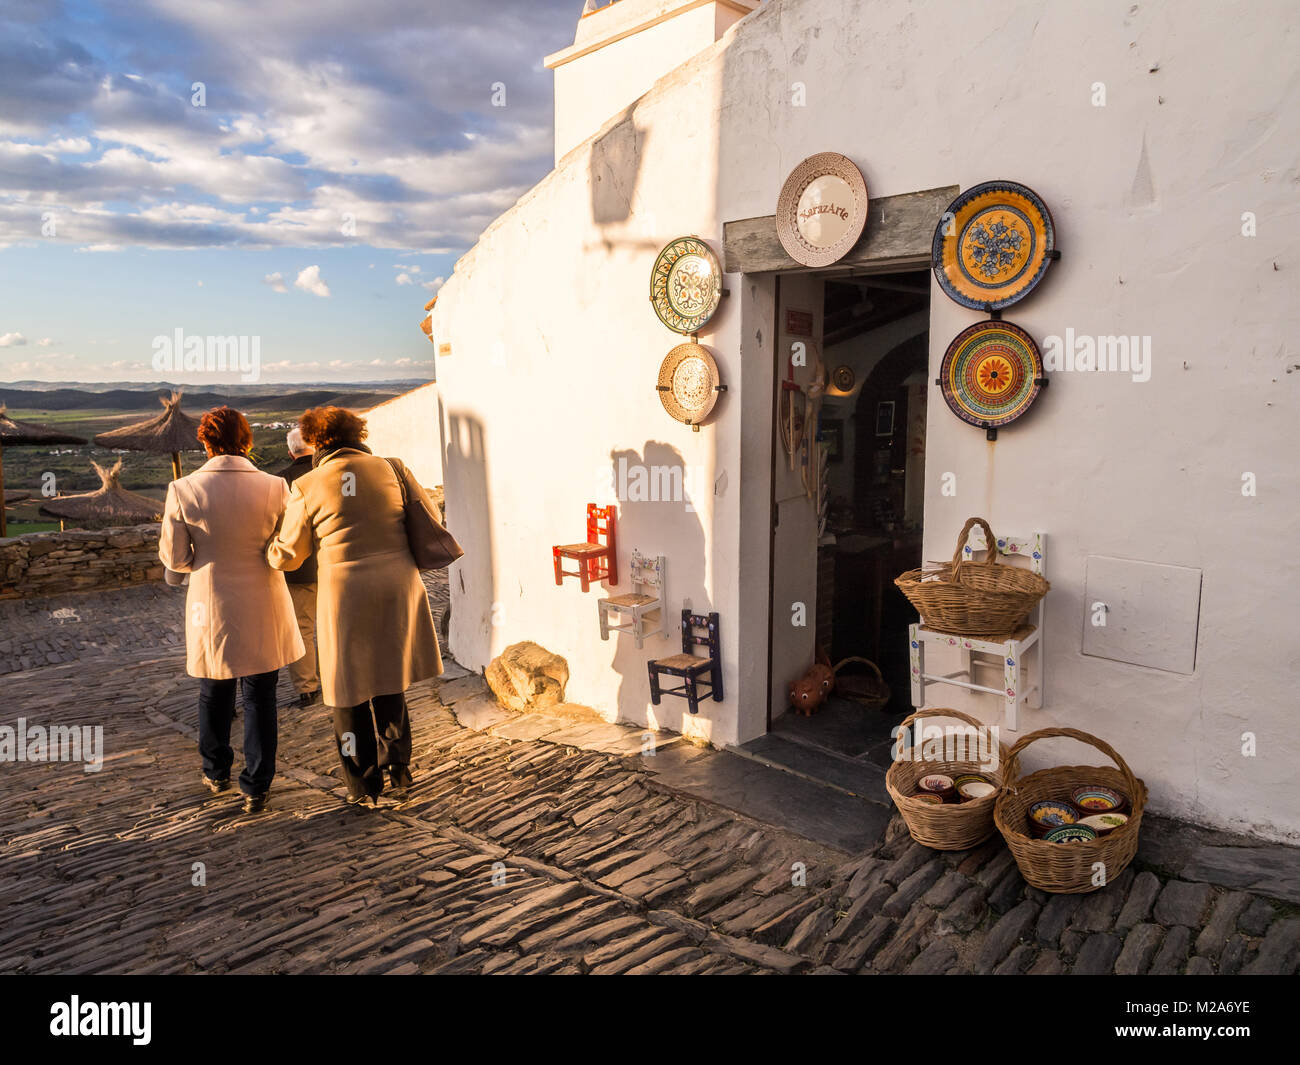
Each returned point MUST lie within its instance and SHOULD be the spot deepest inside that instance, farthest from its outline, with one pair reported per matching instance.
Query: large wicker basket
(951, 826)
(1067, 868)
(868, 688)
(966, 598)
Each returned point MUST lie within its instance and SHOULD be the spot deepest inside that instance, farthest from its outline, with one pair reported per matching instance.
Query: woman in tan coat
(240, 625)
(374, 631)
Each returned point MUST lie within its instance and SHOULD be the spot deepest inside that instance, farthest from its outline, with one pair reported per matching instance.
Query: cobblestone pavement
(513, 855)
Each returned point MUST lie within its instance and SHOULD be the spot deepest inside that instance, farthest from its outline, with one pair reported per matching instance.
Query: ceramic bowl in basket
(1071, 834)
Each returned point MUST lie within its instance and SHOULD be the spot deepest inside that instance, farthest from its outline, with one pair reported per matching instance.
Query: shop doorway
(849, 412)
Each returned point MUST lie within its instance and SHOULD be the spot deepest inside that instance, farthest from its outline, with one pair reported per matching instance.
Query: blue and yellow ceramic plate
(1071, 834)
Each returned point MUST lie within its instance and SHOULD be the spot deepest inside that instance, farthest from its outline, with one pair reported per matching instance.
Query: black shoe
(255, 804)
(366, 801)
(216, 786)
(308, 698)
(399, 781)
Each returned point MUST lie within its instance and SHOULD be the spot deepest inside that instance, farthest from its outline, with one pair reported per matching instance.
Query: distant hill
(123, 399)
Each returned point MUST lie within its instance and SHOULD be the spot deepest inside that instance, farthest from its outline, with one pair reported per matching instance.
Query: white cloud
(276, 281)
(309, 280)
(12, 340)
(404, 279)
(45, 342)
(434, 285)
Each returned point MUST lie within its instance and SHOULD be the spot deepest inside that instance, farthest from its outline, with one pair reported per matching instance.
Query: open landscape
(87, 410)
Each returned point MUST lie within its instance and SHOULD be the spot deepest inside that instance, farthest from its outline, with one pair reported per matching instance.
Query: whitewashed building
(1162, 136)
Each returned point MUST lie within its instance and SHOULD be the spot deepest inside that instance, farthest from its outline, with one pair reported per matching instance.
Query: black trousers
(371, 737)
(261, 729)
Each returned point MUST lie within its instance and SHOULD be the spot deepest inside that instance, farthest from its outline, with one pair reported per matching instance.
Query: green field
(25, 467)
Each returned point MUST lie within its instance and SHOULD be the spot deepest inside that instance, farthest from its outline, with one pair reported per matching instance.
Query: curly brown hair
(224, 431)
(325, 428)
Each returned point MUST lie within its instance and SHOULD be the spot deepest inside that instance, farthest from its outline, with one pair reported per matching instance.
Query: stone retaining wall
(48, 563)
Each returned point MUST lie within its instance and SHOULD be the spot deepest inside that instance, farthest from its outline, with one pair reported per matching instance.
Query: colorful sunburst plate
(991, 373)
(993, 245)
(686, 285)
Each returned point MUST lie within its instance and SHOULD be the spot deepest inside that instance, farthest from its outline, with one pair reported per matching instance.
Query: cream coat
(239, 617)
(374, 631)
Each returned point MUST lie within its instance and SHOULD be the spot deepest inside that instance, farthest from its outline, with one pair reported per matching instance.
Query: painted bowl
(1071, 834)
(1051, 813)
(930, 797)
(935, 782)
(976, 789)
(1094, 799)
(1103, 823)
(969, 778)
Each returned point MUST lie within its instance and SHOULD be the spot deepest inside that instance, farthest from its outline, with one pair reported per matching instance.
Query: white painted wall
(1147, 193)
(407, 428)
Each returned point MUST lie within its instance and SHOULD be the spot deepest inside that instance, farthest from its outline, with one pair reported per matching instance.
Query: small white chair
(643, 606)
(1021, 683)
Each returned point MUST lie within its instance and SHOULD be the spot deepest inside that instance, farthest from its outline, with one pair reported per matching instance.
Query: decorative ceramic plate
(822, 209)
(843, 378)
(969, 778)
(688, 383)
(1051, 813)
(1103, 823)
(975, 789)
(935, 782)
(1095, 799)
(992, 245)
(930, 797)
(1071, 834)
(991, 373)
(686, 284)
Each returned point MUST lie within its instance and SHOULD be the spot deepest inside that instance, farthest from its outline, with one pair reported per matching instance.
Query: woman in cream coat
(240, 626)
(374, 631)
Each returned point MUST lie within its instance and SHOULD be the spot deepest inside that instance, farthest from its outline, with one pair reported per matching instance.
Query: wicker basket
(965, 598)
(1067, 868)
(952, 826)
(868, 688)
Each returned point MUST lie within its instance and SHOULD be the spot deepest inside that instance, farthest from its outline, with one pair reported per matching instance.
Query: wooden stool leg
(559, 577)
(654, 683)
(601, 609)
(692, 699)
(584, 574)
(1013, 680)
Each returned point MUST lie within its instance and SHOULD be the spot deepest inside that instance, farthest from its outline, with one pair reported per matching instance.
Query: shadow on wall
(469, 519)
(656, 517)
(614, 172)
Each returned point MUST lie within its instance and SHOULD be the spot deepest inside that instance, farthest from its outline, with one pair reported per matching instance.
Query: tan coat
(239, 618)
(374, 631)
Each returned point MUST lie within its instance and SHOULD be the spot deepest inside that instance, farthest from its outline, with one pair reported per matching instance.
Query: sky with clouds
(300, 171)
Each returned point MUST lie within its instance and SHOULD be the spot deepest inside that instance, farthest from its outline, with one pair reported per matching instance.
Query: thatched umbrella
(109, 504)
(171, 432)
(13, 496)
(25, 434)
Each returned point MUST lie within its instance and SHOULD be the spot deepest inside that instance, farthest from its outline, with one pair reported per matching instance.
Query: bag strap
(401, 481)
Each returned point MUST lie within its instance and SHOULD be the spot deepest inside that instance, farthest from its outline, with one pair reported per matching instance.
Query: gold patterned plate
(686, 284)
(688, 383)
(991, 373)
(822, 209)
(993, 245)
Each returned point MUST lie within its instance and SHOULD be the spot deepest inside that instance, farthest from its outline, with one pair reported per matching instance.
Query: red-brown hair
(224, 431)
(330, 427)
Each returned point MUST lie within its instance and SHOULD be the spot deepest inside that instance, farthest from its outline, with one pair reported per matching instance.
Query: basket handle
(992, 540)
(941, 711)
(854, 658)
(1013, 759)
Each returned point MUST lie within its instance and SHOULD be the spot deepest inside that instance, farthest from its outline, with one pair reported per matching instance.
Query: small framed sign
(885, 418)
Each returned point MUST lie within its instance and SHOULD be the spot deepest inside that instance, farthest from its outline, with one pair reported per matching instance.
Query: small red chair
(597, 558)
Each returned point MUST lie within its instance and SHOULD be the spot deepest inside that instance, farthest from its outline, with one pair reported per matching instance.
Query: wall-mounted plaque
(686, 284)
(993, 245)
(991, 373)
(822, 209)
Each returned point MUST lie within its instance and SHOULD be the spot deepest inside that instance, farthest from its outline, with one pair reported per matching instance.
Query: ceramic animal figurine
(810, 691)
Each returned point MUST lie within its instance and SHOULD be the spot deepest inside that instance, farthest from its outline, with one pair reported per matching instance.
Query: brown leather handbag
(432, 546)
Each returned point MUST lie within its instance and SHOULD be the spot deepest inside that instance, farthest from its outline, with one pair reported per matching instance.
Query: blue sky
(338, 158)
